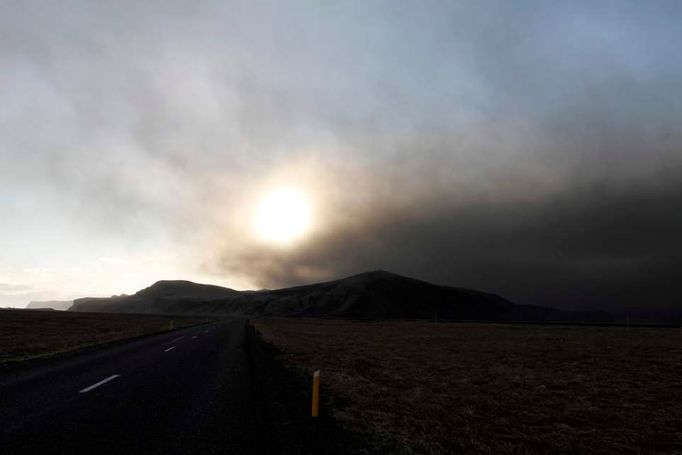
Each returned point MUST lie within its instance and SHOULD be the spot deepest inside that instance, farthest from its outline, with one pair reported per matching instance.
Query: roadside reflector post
(316, 393)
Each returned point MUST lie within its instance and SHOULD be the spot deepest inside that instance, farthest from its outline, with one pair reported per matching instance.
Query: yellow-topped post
(316, 393)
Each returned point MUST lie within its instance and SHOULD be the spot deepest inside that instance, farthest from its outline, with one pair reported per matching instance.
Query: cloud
(530, 149)
(11, 288)
(597, 246)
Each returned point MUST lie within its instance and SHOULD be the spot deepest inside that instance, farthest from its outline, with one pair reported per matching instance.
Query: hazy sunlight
(283, 216)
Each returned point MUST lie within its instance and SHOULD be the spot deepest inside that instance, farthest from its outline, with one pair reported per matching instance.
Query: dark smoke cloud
(596, 246)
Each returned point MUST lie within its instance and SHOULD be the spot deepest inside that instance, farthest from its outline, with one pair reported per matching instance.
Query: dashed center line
(103, 381)
(178, 338)
(169, 349)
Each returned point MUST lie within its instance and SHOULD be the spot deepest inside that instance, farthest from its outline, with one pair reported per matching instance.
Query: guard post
(316, 393)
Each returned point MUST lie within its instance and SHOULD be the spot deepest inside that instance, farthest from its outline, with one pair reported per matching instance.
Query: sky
(528, 148)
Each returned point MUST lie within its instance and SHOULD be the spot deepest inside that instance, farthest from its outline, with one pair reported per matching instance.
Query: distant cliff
(52, 304)
(371, 295)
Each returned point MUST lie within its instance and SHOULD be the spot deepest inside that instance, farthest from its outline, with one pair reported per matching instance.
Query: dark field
(27, 334)
(477, 388)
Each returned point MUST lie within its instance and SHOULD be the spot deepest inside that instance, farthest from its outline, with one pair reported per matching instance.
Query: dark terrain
(419, 387)
(372, 295)
(186, 391)
(127, 384)
(34, 334)
(388, 386)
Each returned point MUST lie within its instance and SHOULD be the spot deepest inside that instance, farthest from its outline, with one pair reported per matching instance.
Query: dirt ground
(28, 334)
(486, 388)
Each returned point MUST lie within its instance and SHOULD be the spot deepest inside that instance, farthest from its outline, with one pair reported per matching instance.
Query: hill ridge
(377, 294)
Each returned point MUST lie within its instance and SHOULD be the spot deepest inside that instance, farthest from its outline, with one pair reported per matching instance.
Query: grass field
(485, 388)
(27, 334)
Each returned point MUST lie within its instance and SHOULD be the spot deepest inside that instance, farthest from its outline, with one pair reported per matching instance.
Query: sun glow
(283, 216)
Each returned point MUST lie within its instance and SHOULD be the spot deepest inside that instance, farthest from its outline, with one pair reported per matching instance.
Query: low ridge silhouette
(371, 295)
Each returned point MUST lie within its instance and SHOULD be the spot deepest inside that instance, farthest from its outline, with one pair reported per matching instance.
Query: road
(186, 391)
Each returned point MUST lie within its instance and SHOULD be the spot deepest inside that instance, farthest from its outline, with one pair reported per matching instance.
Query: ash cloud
(600, 245)
(527, 148)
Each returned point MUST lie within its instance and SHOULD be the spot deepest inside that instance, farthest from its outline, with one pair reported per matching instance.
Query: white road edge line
(103, 381)
(169, 349)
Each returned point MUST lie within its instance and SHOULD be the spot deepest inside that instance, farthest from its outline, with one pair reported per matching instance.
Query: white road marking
(103, 381)
(205, 331)
(178, 338)
(194, 337)
(169, 349)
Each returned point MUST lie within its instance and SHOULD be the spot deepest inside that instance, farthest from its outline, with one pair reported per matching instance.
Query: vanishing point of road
(181, 392)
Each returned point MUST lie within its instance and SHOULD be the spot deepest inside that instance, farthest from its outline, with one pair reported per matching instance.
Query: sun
(283, 216)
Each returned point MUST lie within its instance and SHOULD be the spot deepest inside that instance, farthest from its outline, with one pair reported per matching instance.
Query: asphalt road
(183, 392)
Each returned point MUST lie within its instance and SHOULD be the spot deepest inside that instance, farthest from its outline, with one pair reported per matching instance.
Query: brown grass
(485, 388)
(26, 334)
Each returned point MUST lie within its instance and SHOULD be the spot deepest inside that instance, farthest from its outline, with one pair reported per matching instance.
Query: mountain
(51, 304)
(166, 296)
(371, 295)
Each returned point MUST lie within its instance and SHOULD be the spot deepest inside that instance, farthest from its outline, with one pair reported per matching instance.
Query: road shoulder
(285, 397)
